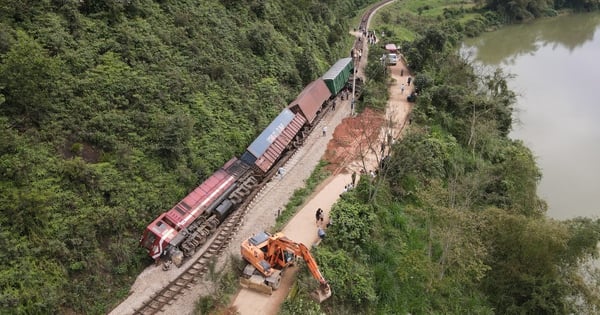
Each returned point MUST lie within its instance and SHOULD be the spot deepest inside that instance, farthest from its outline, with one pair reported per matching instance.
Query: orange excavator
(268, 256)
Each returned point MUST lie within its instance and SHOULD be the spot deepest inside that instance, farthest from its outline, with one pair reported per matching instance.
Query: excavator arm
(282, 244)
(311, 263)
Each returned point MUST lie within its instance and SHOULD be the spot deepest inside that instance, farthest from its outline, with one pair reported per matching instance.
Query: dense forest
(111, 111)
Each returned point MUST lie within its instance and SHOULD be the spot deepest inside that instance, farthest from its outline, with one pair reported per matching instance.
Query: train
(179, 231)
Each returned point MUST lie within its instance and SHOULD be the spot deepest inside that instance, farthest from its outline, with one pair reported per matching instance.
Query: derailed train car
(337, 76)
(311, 101)
(268, 147)
(191, 221)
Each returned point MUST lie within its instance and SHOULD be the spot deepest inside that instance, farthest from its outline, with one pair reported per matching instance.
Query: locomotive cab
(148, 238)
(150, 241)
(157, 237)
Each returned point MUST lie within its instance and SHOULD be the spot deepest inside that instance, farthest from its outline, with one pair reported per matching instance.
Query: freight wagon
(337, 76)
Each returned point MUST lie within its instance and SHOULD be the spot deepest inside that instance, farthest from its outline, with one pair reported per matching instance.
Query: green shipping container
(337, 76)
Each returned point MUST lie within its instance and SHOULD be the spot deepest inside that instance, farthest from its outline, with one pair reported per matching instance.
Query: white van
(392, 59)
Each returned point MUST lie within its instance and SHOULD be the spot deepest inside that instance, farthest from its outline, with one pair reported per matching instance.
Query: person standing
(401, 72)
(353, 178)
(409, 79)
(325, 128)
(321, 233)
(402, 88)
(319, 215)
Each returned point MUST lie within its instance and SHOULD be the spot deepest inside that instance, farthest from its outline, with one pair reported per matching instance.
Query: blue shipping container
(267, 137)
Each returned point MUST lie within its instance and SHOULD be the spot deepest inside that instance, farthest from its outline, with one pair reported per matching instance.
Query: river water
(556, 63)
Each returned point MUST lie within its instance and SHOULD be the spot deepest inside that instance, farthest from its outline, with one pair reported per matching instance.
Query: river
(556, 63)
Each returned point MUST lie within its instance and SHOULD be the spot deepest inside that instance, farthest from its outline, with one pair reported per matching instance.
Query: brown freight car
(311, 101)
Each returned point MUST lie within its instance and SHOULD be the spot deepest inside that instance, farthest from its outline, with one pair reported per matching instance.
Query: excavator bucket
(321, 294)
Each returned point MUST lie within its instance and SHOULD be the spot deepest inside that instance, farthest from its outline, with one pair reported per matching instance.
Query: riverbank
(557, 119)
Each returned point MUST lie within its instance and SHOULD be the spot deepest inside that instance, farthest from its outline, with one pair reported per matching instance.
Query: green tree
(526, 272)
(353, 224)
(351, 282)
(517, 177)
(418, 159)
(29, 80)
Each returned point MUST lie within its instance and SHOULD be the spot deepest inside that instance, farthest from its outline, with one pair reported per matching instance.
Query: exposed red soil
(352, 139)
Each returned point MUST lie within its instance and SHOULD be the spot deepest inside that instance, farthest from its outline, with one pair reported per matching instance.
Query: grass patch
(431, 8)
(402, 20)
(467, 17)
(299, 197)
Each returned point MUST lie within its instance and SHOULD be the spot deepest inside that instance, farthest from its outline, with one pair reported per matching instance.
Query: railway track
(364, 21)
(224, 233)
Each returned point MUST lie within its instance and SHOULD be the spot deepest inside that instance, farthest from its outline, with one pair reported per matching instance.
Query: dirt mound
(353, 139)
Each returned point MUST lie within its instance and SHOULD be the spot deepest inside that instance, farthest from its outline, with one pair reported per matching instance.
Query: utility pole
(353, 88)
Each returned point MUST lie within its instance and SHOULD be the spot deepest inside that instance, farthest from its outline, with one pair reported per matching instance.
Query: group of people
(351, 185)
(345, 93)
(403, 86)
(372, 173)
(371, 38)
(356, 54)
(320, 216)
(368, 35)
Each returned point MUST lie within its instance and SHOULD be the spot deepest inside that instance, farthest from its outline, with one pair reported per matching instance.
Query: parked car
(392, 59)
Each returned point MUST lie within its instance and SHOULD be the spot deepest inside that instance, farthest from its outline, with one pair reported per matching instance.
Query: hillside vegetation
(111, 111)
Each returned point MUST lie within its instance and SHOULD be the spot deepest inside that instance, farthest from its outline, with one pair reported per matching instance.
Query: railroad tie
(172, 290)
(196, 266)
(185, 277)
